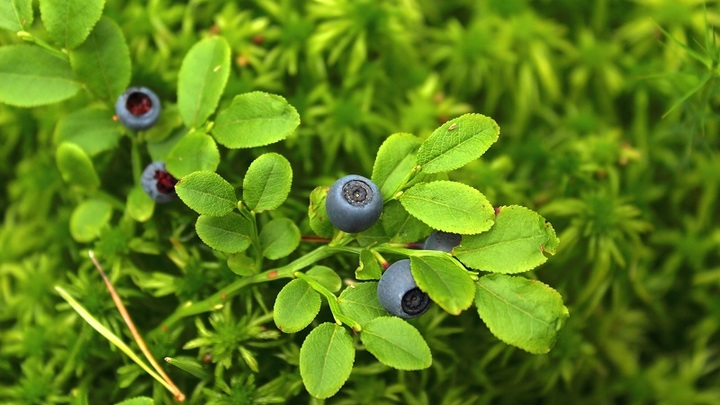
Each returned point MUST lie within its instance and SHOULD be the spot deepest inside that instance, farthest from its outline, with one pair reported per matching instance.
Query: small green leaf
(445, 280)
(140, 206)
(137, 401)
(16, 15)
(369, 268)
(521, 312)
(267, 182)
(255, 119)
(194, 152)
(89, 219)
(296, 305)
(319, 222)
(400, 226)
(449, 206)
(359, 302)
(326, 360)
(395, 159)
(203, 75)
(75, 166)
(516, 243)
(207, 193)
(69, 22)
(31, 76)
(396, 343)
(326, 276)
(457, 142)
(229, 233)
(91, 128)
(279, 238)
(103, 61)
(189, 365)
(242, 265)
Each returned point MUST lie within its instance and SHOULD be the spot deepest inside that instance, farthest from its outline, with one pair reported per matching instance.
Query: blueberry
(439, 240)
(138, 108)
(353, 204)
(158, 183)
(399, 294)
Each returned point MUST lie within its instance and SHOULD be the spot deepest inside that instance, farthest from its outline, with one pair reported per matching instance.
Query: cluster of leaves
(608, 131)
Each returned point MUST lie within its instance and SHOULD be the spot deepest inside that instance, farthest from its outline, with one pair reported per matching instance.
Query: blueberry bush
(275, 201)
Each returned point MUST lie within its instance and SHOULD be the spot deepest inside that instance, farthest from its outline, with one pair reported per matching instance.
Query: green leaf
(369, 268)
(242, 265)
(296, 305)
(229, 233)
(521, 312)
(206, 193)
(194, 152)
(267, 182)
(30, 76)
(89, 219)
(140, 206)
(279, 238)
(189, 365)
(359, 302)
(69, 22)
(396, 343)
(457, 142)
(203, 75)
(75, 166)
(166, 124)
(326, 276)
(326, 360)
(395, 160)
(445, 280)
(255, 119)
(137, 401)
(449, 206)
(400, 226)
(91, 128)
(16, 15)
(103, 61)
(319, 222)
(517, 242)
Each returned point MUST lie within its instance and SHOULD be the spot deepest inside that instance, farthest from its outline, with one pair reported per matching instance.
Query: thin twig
(133, 330)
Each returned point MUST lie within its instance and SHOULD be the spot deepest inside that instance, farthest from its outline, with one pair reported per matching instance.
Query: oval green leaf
(267, 182)
(400, 226)
(445, 280)
(229, 233)
(368, 268)
(31, 76)
(517, 242)
(91, 128)
(395, 160)
(69, 22)
(449, 206)
(255, 119)
(16, 15)
(326, 360)
(206, 193)
(137, 401)
(319, 222)
(88, 219)
(140, 206)
(457, 142)
(279, 238)
(359, 302)
(103, 61)
(202, 79)
(521, 312)
(75, 166)
(296, 305)
(326, 276)
(194, 152)
(396, 343)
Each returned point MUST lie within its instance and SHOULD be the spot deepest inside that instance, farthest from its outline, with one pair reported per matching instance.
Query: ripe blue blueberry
(158, 183)
(444, 241)
(353, 204)
(138, 108)
(399, 294)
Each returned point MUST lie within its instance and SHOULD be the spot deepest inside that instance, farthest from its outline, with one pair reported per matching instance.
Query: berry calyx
(158, 183)
(138, 108)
